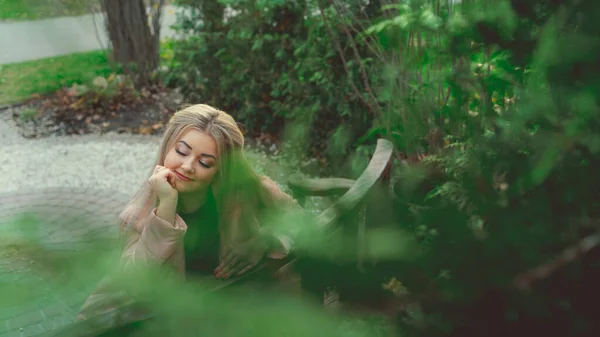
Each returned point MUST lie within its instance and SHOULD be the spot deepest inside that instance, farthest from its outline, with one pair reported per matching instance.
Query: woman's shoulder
(270, 185)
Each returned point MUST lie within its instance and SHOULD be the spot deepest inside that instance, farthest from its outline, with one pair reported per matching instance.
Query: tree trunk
(135, 41)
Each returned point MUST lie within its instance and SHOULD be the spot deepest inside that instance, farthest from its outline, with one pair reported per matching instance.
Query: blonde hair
(238, 190)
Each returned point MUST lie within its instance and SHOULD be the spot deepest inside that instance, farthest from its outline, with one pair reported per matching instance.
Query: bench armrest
(324, 187)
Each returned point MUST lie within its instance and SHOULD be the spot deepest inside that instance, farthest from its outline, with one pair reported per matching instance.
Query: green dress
(202, 239)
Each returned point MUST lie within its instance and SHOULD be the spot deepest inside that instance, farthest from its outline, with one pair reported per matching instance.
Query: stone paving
(64, 224)
(57, 206)
(58, 209)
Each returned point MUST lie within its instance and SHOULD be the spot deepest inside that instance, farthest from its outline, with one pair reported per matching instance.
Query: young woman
(203, 210)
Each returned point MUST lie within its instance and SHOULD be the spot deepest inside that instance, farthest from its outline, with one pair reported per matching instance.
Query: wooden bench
(356, 203)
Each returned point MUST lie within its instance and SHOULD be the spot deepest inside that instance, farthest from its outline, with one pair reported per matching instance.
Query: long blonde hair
(238, 190)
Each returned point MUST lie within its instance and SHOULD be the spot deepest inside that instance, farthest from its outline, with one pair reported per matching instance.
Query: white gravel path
(114, 162)
(108, 162)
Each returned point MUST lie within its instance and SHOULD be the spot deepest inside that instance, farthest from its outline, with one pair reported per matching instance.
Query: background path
(31, 40)
(71, 187)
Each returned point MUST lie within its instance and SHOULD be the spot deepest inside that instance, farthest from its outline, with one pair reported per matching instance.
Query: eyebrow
(202, 154)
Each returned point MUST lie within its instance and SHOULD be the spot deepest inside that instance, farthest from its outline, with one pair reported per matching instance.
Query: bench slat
(324, 187)
(374, 171)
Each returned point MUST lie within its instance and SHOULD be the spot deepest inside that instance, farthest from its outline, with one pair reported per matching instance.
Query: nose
(188, 166)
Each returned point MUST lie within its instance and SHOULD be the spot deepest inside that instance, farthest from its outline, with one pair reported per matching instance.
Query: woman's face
(193, 159)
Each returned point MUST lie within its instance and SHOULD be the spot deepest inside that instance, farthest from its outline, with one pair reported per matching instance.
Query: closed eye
(200, 162)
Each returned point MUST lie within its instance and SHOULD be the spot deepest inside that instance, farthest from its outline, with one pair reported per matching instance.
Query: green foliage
(501, 99)
(496, 228)
(51, 264)
(512, 187)
(275, 66)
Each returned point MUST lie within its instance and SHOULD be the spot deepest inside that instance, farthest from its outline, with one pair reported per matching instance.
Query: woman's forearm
(166, 210)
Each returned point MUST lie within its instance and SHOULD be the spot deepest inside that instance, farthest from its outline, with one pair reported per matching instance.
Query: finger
(224, 262)
(240, 266)
(228, 265)
(226, 271)
(231, 258)
(220, 267)
(245, 270)
(166, 174)
(227, 260)
(163, 171)
(248, 266)
(170, 178)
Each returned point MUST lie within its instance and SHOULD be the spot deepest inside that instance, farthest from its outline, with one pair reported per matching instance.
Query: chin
(186, 189)
(181, 189)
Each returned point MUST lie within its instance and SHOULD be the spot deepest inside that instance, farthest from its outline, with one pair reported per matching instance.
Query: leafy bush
(507, 210)
(276, 67)
(499, 98)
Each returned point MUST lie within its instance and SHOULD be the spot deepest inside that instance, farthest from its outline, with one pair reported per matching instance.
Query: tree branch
(365, 76)
(374, 110)
(524, 281)
(374, 47)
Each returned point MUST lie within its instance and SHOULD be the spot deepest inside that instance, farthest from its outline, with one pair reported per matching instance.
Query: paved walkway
(49, 232)
(31, 40)
(64, 194)
(58, 198)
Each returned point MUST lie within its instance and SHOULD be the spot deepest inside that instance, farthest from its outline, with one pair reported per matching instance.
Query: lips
(182, 177)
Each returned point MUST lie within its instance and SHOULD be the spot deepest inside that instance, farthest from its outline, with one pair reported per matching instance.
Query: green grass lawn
(19, 81)
(40, 9)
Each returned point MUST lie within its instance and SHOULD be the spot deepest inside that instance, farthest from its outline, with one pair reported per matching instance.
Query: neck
(191, 202)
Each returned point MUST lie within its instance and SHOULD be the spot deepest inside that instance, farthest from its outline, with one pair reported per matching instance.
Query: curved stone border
(60, 220)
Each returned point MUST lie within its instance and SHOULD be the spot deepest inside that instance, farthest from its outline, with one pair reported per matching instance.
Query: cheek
(171, 161)
(206, 176)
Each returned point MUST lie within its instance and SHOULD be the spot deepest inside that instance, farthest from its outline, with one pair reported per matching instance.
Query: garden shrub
(276, 68)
